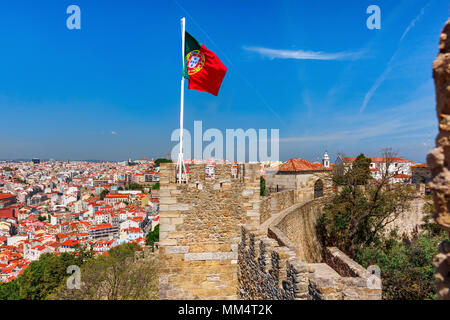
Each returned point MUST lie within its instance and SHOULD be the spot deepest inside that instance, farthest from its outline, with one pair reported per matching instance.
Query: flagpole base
(181, 175)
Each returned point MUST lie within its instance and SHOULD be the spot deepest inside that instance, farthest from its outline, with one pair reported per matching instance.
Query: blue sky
(111, 89)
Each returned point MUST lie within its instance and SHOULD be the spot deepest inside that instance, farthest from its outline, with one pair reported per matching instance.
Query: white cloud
(411, 120)
(388, 69)
(303, 55)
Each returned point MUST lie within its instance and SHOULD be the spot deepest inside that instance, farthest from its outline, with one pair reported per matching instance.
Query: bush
(262, 186)
(42, 276)
(116, 276)
(406, 266)
(156, 186)
(162, 160)
(152, 236)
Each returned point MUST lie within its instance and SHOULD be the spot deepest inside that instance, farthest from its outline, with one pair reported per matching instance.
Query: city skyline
(110, 91)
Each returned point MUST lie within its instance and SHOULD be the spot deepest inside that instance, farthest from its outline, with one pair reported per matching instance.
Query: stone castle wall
(200, 230)
(220, 240)
(270, 271)
(302, 183)
(410, 220)
(275, 203)
(439, 160)
(297, 228)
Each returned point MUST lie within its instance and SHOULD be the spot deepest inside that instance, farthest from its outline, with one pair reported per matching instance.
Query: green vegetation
(41, 218)
(152, 236)
(355, 221)
(359, 212)
(156, 186)
(116, 276)
(41, 277)
(134, 186)
(162, 160)
(262, 186)
(103, 194)
(406, 265)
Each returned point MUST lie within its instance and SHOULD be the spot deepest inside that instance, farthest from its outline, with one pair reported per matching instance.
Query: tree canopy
(119, 275)
(152, 236)
(162, 160)
(362, 207)
(42, 276)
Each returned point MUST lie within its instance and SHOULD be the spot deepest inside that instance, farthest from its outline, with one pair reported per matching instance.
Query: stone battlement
(215, 240)
(200, 229)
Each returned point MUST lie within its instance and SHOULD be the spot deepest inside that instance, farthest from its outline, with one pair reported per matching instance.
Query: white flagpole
(180, 163)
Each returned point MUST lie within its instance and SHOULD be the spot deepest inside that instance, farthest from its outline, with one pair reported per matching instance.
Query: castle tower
(326, 160)
(200, 228)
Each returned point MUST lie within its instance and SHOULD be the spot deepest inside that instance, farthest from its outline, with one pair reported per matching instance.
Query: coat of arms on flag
(204, 70)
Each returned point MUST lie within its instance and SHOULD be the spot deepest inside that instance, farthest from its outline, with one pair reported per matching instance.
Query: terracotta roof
(299, 165)
(6, 196)
(102, 226)
(402, 176)
(69, 243)
(420, 165)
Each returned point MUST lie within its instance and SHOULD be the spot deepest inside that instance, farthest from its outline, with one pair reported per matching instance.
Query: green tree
(134, 186)
(162, 160)
(103, 194)
(156, 186)
(262, 186)
(41, 218)
(406, 266)
(120, 275)
(360, 210)
(10, 291)
(152, 236)
(42, 276)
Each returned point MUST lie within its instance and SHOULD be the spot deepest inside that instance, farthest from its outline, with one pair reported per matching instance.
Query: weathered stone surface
(298, 229)
(201, 227)
(214, 241)
(439, 158)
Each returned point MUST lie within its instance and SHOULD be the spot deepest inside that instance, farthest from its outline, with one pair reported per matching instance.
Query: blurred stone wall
(439, 160)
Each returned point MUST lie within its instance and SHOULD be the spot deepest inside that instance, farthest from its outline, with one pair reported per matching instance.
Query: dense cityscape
(55, 207)
(58, 206)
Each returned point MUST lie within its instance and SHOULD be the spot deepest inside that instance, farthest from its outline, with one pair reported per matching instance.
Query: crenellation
(214, 240)
(200, 226)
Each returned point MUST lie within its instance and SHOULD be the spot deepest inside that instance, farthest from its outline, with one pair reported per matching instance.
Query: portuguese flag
(203, 68)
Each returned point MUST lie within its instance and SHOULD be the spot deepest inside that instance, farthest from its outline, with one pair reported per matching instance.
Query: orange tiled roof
(299, 165)
(402, 176)
(6, 196)
(420, 165)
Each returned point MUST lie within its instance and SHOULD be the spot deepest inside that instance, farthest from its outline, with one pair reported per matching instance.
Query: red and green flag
(203, 68)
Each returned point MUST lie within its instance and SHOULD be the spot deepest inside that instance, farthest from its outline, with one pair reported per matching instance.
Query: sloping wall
(297, 228)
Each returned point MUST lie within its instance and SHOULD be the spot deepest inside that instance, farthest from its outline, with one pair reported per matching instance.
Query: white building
(400, 168)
